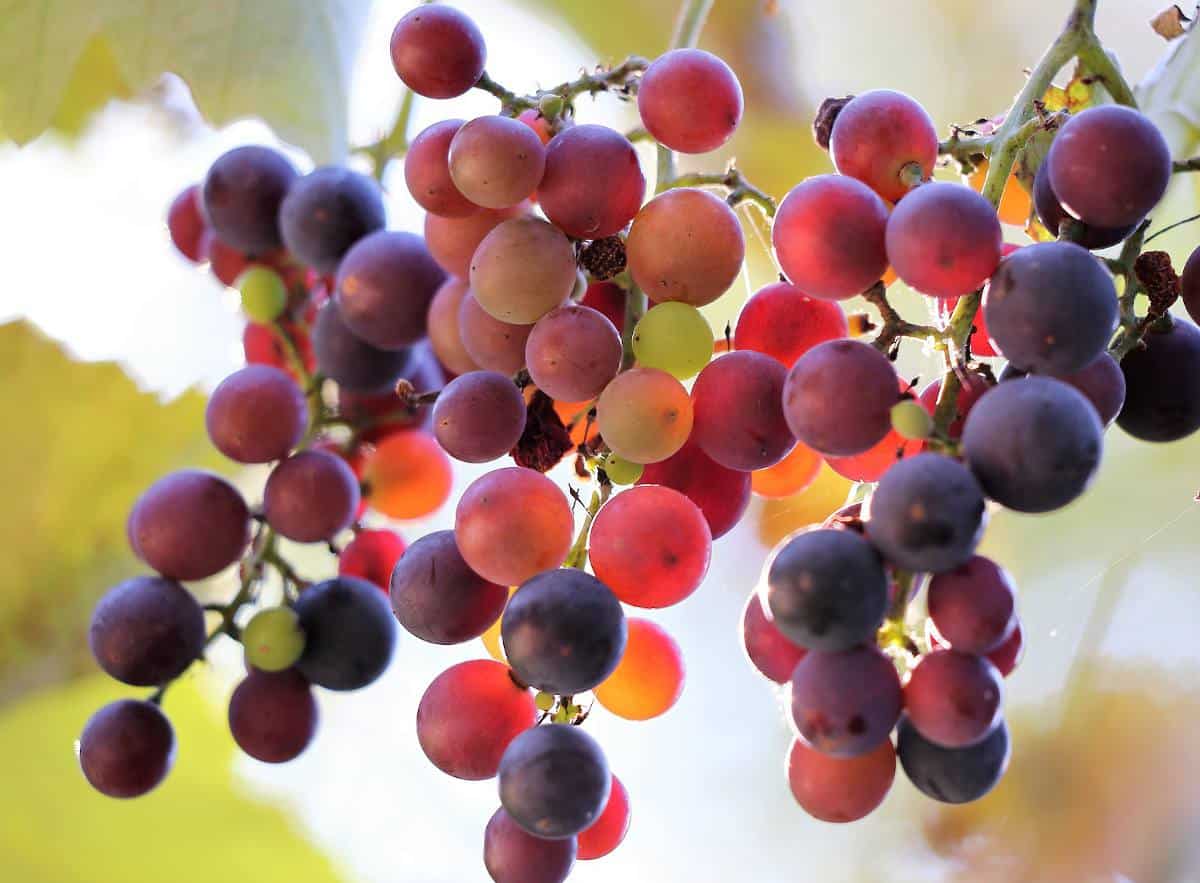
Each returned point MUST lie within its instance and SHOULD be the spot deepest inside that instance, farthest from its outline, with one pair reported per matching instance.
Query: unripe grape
(673, 337)
(622, 471)
(273, 639)
(911, 420)
(264, 295)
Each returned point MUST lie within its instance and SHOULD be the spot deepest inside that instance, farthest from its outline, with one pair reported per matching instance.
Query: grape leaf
(286, 61)
(1170, 94)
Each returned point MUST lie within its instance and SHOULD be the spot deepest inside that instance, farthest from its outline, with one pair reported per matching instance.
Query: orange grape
(791, 475)
(645, 415)
(407, 475)
(649, 678)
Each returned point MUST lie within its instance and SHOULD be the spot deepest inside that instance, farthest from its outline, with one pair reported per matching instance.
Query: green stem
(635, 308)
(664, 170)
(578, 554)
(690, 23)
(1100, 64)
(395, 142)
(738, 188)
(615, 79)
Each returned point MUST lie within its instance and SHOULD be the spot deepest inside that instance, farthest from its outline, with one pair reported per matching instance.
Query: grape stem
(1131, 331)
(620, 79)
(578, 554)
(1186, 165)
(1170, 227)
(732, 180)
(395, 142)
(635, 308)
(894, 325)
(690, 23)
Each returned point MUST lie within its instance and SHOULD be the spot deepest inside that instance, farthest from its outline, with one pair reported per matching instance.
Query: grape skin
(256, 415)
(573, 352)
(273, 639)
(593, 184)
(408, 475)
(146, 631)
(452, 241)
(496, 162)
(350, 633)
(351, 361)
(311, 496)
(645, 415)
(840, 789)
(512, 855)
(953, 775)
(273, 715)
(1052, 213)
(973, 606)
(522, 270)
(442, 323)
(721, 494)
(877, 135)
(242, 194)
(608, 831)
(737, 402)
(437, 51)
(494, 345)
(479, 416)
(952, 698)
(1101, 382)
(1162, 379)
(554, 781)
(845, 704)
(127, 748)
(427, 172)
(649, 679)
(690, 100)
(326, 212)
(783, 322)
(673, 337)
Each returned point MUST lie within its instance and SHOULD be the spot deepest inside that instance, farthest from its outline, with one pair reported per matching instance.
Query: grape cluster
(517, 326)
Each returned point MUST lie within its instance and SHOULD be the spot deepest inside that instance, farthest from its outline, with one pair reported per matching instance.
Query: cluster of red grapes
(517, 325)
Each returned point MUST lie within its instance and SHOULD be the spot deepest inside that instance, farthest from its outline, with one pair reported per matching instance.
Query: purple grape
(256, 415)
(146, 631)
(1162, 385)
(593, 184)
(349, 633)
(311, 496)
(573, 352)
(953, 775)
(973, 606)
(127, 748)
(479, 416)
(512, 855)
(846, 703)
(952, 698)
(554, 781)
(1189, 285)
(438, 51)
(326, 212)
(1100, 381)
(1052, 213)
(737, 402)
(351, 361)
(273, 715)
(242, 194)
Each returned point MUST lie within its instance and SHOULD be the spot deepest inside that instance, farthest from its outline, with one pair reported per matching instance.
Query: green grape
(264, 295)
(911, 420)
(673, 337)
(544, 701)
(621, 471)
(273, 639)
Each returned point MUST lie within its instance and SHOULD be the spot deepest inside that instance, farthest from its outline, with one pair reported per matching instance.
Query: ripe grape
(829, 236)
(311, 496)
(848, 424)
(879, 136)
(438, 598)
(673, 337)
(845, 703)
(479, 416)
(737, 402)
(953, 775)
(273, 639)
(349, 633)
(437, 51)
(256, 415)
(511, 524)
(1162, 384)
(783, 322)
(226, 262)
(685, 245)
(469, 715)
(563, 631)
(1034, 445)
(494, 345)
(512, 855)
(1015, 202)
(186, 224)
(593, 185)
(872, 463)
(791, 475)
(522, 270)
(645, 415)
(384, 285)
(648, 681)
(372, 555)
(607, 832)
(445, 336)
(326, 212)
(1052, 213)
(496, 161)
(264, 294)
(351, 361)
(408, 475)
(452, 241)
(242, 195)
(127, 748)
(190, 525)
(953, 698)
(608, 298)
(554, 781)
(971, 389)
(840, 789)
(262, 345)
(534, 119)
(768, 650)
(146, 631)
(1189, 285)
(573, 352)
(721, 494)
(1102, 383)
(927, 514)
(1109, 166)
(972, 606)
(944, 239)
(690, 100)
(1008, 655)
(826, 589)
(273, 715)
(427, 172)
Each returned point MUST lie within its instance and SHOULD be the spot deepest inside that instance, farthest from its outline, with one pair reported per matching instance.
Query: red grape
(438, 51)
(479, 416)
(783, 322)
(273, 715)
(522, 270)
(351, 361)
(452, 241)
(311, 496)
(970, 390)
(1008, 655)
(326, 212)
(649, 679)
(879, 136)
(372, 555)
(840, 789)
(512, 855)
(607, 832)
(427, 172)
(593, 184)
(952, 698)
(534, 119)
(496, 161)
(146, 631)
(1052, 214)
(573, 352)
(791, 475)
(768, 650)
(408, 475)
(721, 494)
(443, 327)
(690, 100)
(242, 196)
(972, 606)
(127, 748)
(186, 224)
(738, 405)
(256, 415)
(645, 415)
(494, 345)
(609, 299)
(846, 703)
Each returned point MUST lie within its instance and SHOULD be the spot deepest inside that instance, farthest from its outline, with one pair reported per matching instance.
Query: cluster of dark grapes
(516, 326)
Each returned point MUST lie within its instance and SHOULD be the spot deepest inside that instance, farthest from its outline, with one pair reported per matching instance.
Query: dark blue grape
(349, 633)
(953, 775)
(1052, 213)
(554, 781)
(242, 194)
(513, 855)
(126, 748)
(845, 704)
(146, 631)
(273, 715)
(1162, 378)
(326, 212)
(351, 361)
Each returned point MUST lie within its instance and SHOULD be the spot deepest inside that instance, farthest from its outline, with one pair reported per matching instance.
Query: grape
(326, 212)
(607, 832)
(573, 352)
(829, 236)
(190, 525)
(349, 631)
(1034, 445)
(273, 716)
(673, 337)
(469, 715)
(651, 545)
(738, 406)
(609, 299)
(944, 239)
(262, 345)
(841, 424)
(127, 748)
(264, 295)
(649, 679)
(511, 524)
(438, 598)
(879, 137)
(840, 789)
(554, 781)
(721, 494)
(1008, 655)
(427, 172)
(443, 327)
(971, 389)
(845, 703)
(563, 631)
(791, 475)
(825, 589)
(494, 345)
(1162, 384)
(496, 161)
(622, 472)
(953, 698)
(1103, 384)
(372, 555)
(593, 184)
(513, 856)
(351, 361)
(479, 416)
(783, 322)
(242, 195)
(953, 775)
(384, 285)
(911, 420)
(438, 51)
(1189, 285)
(927, 514)
(452, 241)
(973, 605)
(690, 100)
(226, 262)
(407, 476)
(1052, 213)
(522, 270)
(146, 631)
(1109, 166)
(872, 463)
(768, 650)
(186, 224)
(534, 119)
(1051, 307)
(273, 639)
(311, 496)
(645, 415)
(256, 415)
